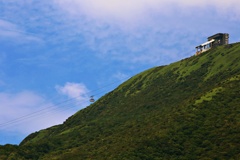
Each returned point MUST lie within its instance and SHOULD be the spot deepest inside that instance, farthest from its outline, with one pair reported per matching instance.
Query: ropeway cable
(54, 107)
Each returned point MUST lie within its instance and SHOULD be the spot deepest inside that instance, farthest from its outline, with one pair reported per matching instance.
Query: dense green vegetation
(186, 110)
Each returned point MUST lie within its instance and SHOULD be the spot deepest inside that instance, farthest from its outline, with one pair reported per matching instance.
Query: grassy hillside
(186, 110)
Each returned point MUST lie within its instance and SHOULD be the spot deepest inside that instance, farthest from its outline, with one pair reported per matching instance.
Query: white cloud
(77, 91)
(147, 31)
(135, 9)
(26, 112)
(103, 9)
(135, 31)
(17, 104)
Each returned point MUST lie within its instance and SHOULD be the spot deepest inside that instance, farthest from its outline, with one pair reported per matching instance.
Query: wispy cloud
(28, 112)
(135, 9)
(76, 91)
(8, 29)
(120, 76)
(12, 31)
(146, 31)
(129, 31)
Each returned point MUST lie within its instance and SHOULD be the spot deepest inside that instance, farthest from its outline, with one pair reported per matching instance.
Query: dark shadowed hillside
(186, 110)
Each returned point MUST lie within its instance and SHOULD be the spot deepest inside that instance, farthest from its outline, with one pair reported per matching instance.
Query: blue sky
(54, 54)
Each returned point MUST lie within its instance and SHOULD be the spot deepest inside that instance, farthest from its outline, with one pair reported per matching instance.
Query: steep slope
(186, 110)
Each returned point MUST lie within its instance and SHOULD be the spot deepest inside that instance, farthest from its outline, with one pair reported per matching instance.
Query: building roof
(208, 42)
(216, 35)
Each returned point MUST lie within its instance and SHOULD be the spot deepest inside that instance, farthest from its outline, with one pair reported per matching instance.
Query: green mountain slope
(186, 110)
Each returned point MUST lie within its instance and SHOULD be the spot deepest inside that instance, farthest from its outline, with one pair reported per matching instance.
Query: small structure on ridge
(213, 41)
